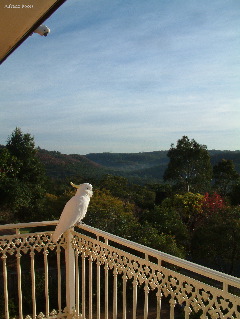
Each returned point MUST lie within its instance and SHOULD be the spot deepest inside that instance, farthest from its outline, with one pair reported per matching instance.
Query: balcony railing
(91, 274)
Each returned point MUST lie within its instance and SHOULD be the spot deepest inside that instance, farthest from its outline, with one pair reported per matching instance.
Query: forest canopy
(183, 215)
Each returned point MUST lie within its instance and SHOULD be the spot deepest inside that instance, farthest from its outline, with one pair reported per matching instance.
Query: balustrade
(91, 274)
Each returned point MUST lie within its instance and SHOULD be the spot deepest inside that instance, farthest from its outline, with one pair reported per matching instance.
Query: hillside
(129, 161)
(146, 167)
(62, 166)
(144, 161)
(217, 156)
(141, 168)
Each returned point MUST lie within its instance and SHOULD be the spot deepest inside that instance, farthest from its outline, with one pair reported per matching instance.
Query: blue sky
(127, 76)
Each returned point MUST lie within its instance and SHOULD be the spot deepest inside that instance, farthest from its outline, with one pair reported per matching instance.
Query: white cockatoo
(42, 30)
(74, 210)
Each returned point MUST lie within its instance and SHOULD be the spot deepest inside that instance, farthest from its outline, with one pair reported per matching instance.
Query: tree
(167, 220)
(217, 242)
(189, 208)
(234, 195)
(114, 215)
(111, 214)
(120, 187)
(225, 176)
(212, 203)
(22, 147)
(22, 179)
(189, 168)
(8, 164)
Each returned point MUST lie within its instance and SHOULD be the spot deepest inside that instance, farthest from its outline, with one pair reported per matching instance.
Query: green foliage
(217, 242)
(117, 217)
(9, 164)
(217, 156)
(22, 179)
(172, 220)
(189, 168)
(120, 187)
(111, 214)
(54, 204)
(143, 197)
(11, 306)
(128, 161)
(188, 206)
(139, 168)
(188, 215)
(148, 235)
(61, 166)
(21, 146)
(167, 220)
(234, 195)
(225, 177)
(162, 191)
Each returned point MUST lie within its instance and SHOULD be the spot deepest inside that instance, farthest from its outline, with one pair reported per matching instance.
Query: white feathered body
(74, 211)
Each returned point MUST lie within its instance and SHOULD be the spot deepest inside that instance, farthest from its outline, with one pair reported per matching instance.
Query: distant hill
(144, 167)
(217, 156)
(129, 161)
(61, 166)
(150, 166)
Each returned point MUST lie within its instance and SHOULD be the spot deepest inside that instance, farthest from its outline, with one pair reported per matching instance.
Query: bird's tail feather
(56, 235)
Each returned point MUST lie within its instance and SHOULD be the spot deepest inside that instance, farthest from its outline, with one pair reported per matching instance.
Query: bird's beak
(73, 185)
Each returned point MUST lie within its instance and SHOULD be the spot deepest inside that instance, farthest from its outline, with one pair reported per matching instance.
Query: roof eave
(44, 17)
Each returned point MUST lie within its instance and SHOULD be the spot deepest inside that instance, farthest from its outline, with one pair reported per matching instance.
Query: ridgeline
(144, 167)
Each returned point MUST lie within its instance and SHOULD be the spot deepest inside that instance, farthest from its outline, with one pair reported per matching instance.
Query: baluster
(106, 290)
(19, 275)
(90, 286)
(187, 312)
(32, 254)
(77, 282)
(115, 273)
(159, 303)
(172, 306)
(98, 290)
(83, 284)
(204, 314)
(135, 284)
(106, 268)
(46, 280)
(225, 287)
(70, 272)
(5, 276)
(124, 278)
(146, 290)
(59, 279)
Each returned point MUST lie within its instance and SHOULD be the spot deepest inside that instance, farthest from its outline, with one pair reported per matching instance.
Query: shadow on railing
(92, 274)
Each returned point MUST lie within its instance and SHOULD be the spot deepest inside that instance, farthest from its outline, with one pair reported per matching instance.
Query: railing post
(5, 281)
(70, 274)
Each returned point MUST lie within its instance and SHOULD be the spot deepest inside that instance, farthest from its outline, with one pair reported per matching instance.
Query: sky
(127, 76)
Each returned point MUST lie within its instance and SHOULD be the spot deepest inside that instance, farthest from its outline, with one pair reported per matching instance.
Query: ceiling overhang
(18, 20)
